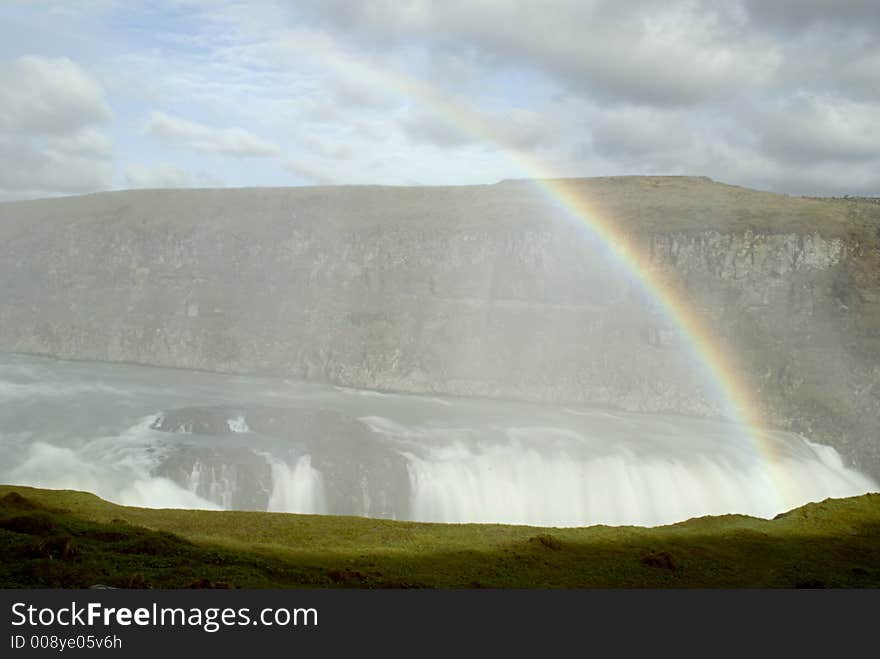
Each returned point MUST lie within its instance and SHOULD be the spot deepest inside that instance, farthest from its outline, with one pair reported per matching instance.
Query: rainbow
(718, 364)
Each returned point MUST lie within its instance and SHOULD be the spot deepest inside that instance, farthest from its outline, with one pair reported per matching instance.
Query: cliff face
(486, 290)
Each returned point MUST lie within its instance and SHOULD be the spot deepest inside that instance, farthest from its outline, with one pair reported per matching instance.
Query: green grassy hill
(51, 538)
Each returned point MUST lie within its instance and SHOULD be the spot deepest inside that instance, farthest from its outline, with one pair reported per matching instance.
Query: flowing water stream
(156, 437)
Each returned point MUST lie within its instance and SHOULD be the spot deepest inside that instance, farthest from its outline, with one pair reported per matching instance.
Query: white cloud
(326, 148)
(430, 128)
(87, 142)
(49, 96)
(525, 129)
(646, 51)
(515, 128)
(809, 128)
(167, 175)
(443, 92)
(30, 170)
(231, 142)
(357, 95)
(736, 162)
(309, 174)
(163, 175)
(50, 143)
(637, 132)
(796, 15)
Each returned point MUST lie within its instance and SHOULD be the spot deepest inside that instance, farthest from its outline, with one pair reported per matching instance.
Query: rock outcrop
(361, 475)
(484, 290)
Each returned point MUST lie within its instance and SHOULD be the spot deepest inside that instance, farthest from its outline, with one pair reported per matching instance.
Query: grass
(67, 539)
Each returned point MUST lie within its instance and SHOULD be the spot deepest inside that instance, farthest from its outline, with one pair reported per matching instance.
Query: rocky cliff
(481, 290)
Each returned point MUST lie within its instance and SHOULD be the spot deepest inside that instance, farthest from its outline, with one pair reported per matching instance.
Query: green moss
(55, 538)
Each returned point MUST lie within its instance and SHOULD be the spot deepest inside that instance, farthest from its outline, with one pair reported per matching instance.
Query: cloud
(50, 140)
(49, 96)
(308, 174)
(231, 142)
(428, 127)
(824, 46)
(353, 94)
(651, 52)
(525, 129)
(326, 148)
(516, 128)
(596, 87)
(798, 15)
(163, 175)
(808, 128)
(87, 142)
(28, 170)
(642, 137)
(739, 162)
(455, 69)
(778, 95)
(167, 175)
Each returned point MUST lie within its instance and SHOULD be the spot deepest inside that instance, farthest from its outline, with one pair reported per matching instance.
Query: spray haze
(456, 324)
(558, 292)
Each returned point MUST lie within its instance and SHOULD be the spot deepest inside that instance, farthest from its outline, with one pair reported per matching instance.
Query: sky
(780, 95)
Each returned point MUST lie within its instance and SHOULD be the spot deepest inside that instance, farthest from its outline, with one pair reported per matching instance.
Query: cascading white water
(91, 427)
(296, 489)
(539, 476)
(515, 485)
(218, 481)
(238, 424)
(117, 468)
(617, 469)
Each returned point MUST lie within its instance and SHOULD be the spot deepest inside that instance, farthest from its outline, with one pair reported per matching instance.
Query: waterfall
(297, 488)
(515, 485)
(389, 455)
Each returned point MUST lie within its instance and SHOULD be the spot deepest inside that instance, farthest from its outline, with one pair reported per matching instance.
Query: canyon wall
(494, 291)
